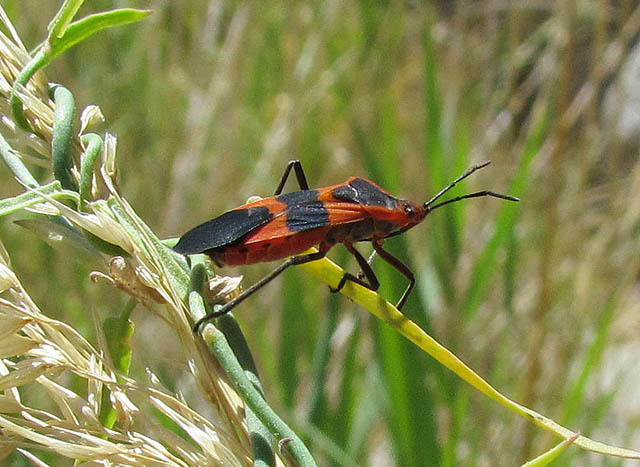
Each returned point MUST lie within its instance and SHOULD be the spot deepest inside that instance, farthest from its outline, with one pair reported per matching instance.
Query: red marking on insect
(288, 224)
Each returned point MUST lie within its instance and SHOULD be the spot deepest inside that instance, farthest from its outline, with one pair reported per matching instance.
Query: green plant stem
(220, 348)
(62, 135)
(37, 62)
(259, 434)
(247, 389)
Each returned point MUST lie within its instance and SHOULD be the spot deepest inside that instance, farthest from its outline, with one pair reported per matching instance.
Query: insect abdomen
(248, 252)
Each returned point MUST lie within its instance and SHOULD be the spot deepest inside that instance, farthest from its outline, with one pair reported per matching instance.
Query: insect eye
(408, 209)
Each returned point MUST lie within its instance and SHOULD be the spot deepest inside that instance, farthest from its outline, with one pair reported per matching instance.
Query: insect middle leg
(302, 179)
(365, 267)
(370, 259)
(294, 260)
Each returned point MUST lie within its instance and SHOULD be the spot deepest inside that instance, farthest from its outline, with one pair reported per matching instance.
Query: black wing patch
(222, 230)
(297, 197)
(362, 192)
(306, 216)
(345, 193)
(304, 211)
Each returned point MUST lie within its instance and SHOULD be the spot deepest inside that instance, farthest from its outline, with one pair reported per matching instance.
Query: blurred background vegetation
(209, 101)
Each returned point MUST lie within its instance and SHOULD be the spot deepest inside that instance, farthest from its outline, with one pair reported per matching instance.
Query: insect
(286, 225)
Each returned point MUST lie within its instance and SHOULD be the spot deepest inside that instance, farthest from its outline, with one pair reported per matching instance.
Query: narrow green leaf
(458, 415)
(549, 456)
(317, 413)
(80, 30)
(593, 357)
(484, 269)
(456, 220)
(25, 200)
(343, 420)
(330, 273)
(371, 398)
(395, 369)
(56, 231)
(105, 247)
(291, 337)
(73, 34)
(406, 389)
(440, 245)
(63, 17)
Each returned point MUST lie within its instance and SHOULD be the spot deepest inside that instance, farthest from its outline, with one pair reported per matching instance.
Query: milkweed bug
(286, 225)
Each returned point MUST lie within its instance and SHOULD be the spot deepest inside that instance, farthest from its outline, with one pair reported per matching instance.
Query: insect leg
(367, 272)
(302, 180)
(372, 256)
(400, 266)
(258, 285)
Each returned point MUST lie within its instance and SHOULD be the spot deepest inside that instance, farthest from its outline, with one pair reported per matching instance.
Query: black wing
(222, 230)
(307, 216)
(303, 210)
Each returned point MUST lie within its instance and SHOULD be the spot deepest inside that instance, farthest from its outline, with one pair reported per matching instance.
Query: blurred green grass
(209, 102)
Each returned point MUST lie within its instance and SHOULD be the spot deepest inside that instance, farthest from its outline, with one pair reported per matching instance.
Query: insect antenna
(429, 204)
(477, 194)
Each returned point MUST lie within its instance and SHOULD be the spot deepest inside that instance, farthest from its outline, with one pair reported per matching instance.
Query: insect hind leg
(295, 260)
(296, 165)
(401, 267)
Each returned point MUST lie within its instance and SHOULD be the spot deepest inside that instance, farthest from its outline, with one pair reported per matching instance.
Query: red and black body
(289, 224)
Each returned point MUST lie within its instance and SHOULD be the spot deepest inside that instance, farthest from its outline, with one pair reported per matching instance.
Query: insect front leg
(295, 260)
(400, 266)
(374, 283)
(302, 179)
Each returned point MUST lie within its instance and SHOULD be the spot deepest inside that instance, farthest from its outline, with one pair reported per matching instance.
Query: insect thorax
(358, 231)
